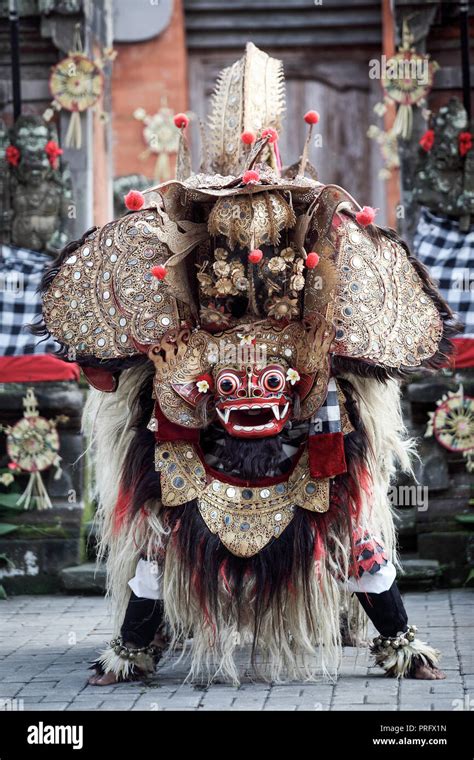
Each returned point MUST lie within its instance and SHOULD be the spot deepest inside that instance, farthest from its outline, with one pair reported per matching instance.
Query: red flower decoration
(181, 120)
(255, 256)
(312, 260)
(271, 133)
(250, 176)
(159, 272)
(427, 140)
(247, 138)
(366, 216)
(311, 117)
(134, 200)
(465, 143)
(53, 151)
(12, 154)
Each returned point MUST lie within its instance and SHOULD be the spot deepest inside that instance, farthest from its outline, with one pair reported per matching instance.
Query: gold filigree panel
(104, 296)
(246, 517)
(381, 313)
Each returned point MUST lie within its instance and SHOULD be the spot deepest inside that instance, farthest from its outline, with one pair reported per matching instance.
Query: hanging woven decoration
(162, 139)
(388, 148)
(452, 424)
(77, 84)
(33, 446)
(407, 78)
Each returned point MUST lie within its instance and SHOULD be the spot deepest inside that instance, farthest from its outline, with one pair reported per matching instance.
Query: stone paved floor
(47, 642)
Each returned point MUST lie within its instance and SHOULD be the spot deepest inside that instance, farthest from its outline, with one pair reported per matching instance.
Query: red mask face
(253, 403)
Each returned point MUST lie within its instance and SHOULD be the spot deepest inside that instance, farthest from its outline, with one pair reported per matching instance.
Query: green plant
(8, 507)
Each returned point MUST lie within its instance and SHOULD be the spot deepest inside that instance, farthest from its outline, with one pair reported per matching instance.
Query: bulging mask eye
(273, 380)
(227, 384)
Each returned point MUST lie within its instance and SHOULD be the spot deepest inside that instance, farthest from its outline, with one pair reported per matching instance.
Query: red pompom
(465, 143)
(134, 200)
(427, 140)
(271, 133)
(159, 272)
(250, 176)
(53, 151)
(366, 216)
(312, 260)
(311, 117)
(247, 138)
(255, 256)
(12, 154)
(181, 120)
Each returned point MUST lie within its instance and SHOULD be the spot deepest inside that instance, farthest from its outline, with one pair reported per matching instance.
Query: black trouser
(142, 619)
(386, 610)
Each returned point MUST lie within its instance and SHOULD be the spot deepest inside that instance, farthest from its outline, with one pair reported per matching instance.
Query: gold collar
(246, 518)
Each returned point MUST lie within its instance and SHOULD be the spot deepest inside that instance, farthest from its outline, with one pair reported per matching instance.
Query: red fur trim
(120, 510)
(326, 455)
(223, 575)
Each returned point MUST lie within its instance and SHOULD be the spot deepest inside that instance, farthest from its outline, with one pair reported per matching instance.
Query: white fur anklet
(398, 654)
(127, 662)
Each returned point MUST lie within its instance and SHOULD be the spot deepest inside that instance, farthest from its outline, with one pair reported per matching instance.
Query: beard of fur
(251, 458)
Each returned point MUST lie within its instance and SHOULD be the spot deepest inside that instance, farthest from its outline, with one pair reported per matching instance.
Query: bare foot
(102, 679)
(428, 673)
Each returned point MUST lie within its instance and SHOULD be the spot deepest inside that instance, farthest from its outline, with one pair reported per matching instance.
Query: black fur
(139, 479)
(251, 459)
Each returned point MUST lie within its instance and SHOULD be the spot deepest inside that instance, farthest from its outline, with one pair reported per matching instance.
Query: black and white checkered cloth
(448, 254)
(20, 277)
(328, 417)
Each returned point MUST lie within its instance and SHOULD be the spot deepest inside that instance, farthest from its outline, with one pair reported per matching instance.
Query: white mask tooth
(226, 415)
(276, 411)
